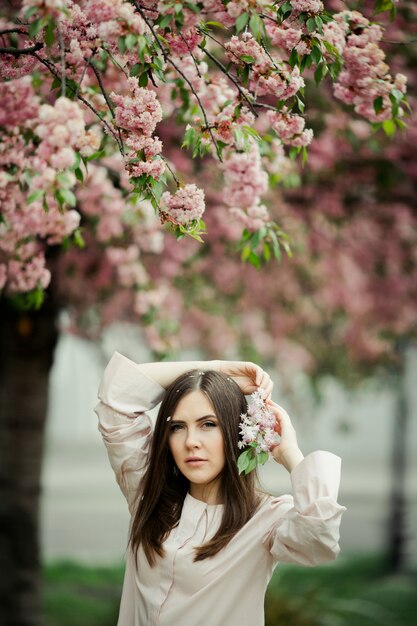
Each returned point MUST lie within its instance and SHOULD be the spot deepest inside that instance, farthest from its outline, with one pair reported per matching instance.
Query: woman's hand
(249, 376)
(287, 452)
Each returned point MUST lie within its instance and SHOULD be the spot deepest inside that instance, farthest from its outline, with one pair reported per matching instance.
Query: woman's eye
(175, 428)
(210, 424)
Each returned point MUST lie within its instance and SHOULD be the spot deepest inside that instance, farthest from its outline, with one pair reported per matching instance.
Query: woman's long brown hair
(164, 488)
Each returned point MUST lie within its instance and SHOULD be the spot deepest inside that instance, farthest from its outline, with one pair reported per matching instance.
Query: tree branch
(172, 172)
(62, 47)
(230, 77)
(7, 31)
(100, 82)
(17, 52)
(105, 96)
(51, 67)
(181, 73)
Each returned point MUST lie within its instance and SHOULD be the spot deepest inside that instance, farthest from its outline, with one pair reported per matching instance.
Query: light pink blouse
(227, 589)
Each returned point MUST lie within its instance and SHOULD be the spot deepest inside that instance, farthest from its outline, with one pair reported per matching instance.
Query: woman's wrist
(289, 457)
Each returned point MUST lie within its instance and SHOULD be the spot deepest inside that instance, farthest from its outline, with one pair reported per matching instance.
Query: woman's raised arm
(247, 375)
(165, 372)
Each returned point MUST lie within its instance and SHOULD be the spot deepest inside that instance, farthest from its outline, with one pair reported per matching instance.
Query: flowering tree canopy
(121, 120)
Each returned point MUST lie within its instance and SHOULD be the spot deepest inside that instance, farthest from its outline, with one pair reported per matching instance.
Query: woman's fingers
(248, 376)
(284, 425)
(263, 380)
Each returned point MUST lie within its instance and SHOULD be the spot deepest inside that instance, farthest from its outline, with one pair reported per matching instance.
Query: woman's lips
(195, 462)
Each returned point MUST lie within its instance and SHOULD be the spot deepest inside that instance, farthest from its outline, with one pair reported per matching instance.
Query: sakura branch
(229, 75)
(181, 73)
(17, 52)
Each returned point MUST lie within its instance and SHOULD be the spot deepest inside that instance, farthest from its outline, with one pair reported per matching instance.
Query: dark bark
(27, 342)
(397, 534)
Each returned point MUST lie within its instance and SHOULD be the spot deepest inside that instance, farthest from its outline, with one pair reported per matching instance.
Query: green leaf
(79, 174)
(244, 75)
(122, 45)
(254, 260)
(63, 179)
(35, 27)
(95, 155)
(189, 137)
(256, 25)
(257, 237)
(286, 8)
(246, 252)
(330, 48)
(165, 20)
(50, 33)
(294, 58)
(31, 11)
(247, 58)
(251, 465)
(383, 5)
(300, 104)
(311, 24)
(389, 127)
(76, 163)
(143, 43)
(304, 155)
(320, 73)
(78, 238)
(192, 7)
(27, 301)
(334, 69)
(35, 195)
(306, 62)
(130, 40)
(136, 69)
(263, 458)
(243, 460)
(158, 63)
(398, 95)
(241, 22)
(218, 24)
(66, 196)
(319, 24)
(248, 130)
(220, 147)
(143, 79)
(316, 54)
(378, 104)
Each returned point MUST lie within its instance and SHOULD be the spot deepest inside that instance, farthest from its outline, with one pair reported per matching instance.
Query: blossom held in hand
(258, 435)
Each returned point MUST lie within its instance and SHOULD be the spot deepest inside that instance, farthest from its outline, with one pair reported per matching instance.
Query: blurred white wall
(84, 516)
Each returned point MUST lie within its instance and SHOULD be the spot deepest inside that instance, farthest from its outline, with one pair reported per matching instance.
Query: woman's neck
(210, 494)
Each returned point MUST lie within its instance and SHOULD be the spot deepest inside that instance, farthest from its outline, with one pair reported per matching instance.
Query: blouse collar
(199, 505)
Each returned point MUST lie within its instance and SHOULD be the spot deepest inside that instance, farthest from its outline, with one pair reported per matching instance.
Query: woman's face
(196, 443)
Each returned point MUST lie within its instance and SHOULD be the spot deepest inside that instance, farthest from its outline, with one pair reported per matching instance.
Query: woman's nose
(192, 440)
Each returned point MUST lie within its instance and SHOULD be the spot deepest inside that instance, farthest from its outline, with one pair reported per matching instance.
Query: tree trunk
(397, 536)
(27, 342)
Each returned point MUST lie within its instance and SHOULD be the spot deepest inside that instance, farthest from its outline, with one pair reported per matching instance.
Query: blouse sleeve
(125, 394)
(306, 526)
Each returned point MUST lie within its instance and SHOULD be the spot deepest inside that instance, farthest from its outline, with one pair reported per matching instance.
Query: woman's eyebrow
(199, 419)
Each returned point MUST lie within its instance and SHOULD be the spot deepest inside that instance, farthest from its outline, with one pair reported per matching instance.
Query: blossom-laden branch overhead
(92, 82)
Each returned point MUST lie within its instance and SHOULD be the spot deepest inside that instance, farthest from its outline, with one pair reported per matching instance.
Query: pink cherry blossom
(185, 206)
(138, 112)
(307, 6)
(245, 179)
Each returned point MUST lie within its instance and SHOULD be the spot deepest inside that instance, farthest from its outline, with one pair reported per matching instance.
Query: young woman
(203, 539)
